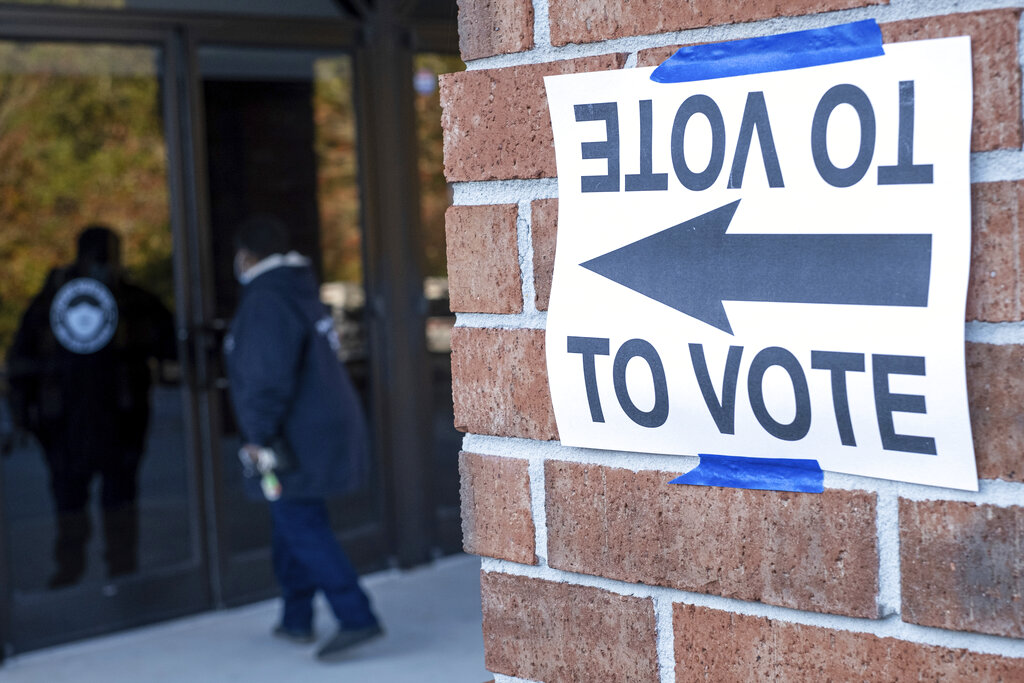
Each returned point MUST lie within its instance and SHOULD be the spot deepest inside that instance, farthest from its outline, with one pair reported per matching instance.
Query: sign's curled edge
(797, 50)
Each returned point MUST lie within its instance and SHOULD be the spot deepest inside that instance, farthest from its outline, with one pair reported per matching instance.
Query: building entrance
(131, 145)
(280, 133)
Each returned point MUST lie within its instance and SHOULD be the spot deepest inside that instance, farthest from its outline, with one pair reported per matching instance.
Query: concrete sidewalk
(431, 615)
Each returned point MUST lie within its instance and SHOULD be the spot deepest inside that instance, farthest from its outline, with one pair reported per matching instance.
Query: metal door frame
(391, 187)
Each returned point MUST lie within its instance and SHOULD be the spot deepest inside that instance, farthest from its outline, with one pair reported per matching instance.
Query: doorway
(169, 130)
(281, 139)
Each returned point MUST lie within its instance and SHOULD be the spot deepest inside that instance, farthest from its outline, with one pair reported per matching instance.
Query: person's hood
(290, 274)
(292, 259)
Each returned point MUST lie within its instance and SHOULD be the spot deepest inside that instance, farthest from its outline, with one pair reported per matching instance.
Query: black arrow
(695, 266)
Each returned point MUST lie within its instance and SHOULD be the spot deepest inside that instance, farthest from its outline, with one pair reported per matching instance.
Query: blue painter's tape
(796, 50)
(766, 474)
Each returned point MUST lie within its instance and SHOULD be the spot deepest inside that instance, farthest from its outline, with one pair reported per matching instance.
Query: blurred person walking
(303, 429)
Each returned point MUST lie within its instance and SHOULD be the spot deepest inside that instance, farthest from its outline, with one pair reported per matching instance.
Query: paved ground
(432, 617)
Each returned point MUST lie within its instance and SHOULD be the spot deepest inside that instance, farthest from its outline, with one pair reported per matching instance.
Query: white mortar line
(541, 55)
(994, 333)
(986, 167)
(535, 320)
(541, 25)
(552, 450)
(979, 332)
(524, 240)
(502, 678)
(666, 640)
(887, 520)
(891, 627)
(1004, 164)
(992, 491)
(485, 192)
(908, 9)
(538, 507)
(897, 10)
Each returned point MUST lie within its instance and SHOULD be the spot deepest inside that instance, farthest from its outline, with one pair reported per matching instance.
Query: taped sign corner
(763, 474)
(796, 50)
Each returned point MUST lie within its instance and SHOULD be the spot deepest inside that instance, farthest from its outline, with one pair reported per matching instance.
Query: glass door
(434, 199)
(280, 139)
(98, 506)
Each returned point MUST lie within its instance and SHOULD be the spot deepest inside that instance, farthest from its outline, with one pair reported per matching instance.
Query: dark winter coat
(89, 405)
(287, 382)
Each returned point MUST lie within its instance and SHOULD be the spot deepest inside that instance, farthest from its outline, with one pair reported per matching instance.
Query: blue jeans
(307, 557)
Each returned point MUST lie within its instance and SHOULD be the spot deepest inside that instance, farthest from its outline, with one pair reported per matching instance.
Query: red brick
(997, 77)
(997, 112)
(483, 259)
(496, 516)
(562, 633)
(995, 292)
(712, 645)
(544, 228)
(962, 567)
(494, 27)
(995, 385)
(653, 56)
(587, 21)
(500, 383)
(496, 122)
(805, 551)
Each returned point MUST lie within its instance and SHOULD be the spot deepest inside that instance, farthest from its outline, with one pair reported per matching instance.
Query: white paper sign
(771, 265)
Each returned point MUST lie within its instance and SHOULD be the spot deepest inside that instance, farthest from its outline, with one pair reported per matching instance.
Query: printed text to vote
(719, 395)
(755, 119)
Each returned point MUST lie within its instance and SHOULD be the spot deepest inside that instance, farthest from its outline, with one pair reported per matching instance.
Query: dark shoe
(345, 639)
(294, 636)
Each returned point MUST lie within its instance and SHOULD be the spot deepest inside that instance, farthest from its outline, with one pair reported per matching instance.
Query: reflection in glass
(341, 237)
(94, 482)
(435, 194)
(79, 378)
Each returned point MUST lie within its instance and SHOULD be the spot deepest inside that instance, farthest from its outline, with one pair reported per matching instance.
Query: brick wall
(594, 569)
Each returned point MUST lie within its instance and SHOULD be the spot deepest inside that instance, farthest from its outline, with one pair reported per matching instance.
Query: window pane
(96, 486)
(435, 195)
(338, 187)
(435, 198)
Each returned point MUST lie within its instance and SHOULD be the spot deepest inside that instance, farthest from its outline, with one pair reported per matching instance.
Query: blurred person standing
(303, 427)
(80, 376)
